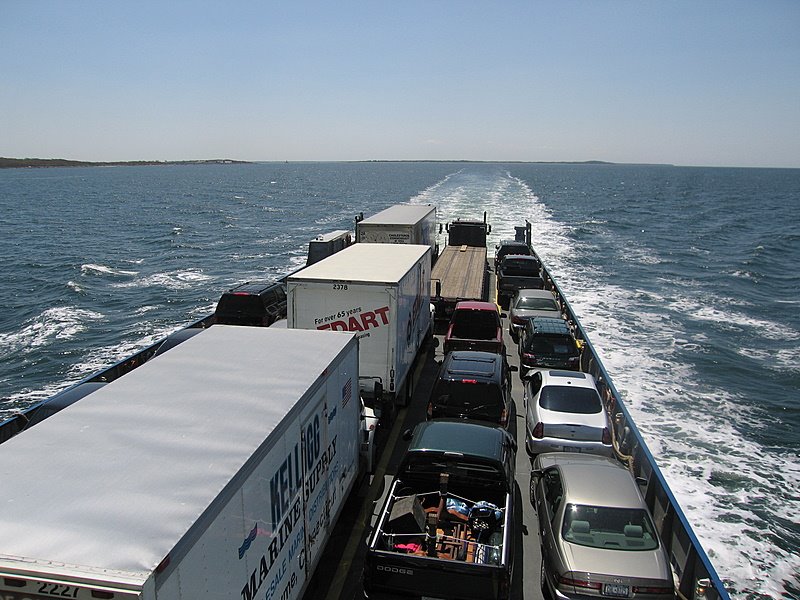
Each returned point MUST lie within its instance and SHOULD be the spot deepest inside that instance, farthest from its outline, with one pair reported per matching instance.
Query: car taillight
(538, 431)
(652, 589)
(430, 409)
(529, 356)
(606, 436)
(579, 582)
(503, 417)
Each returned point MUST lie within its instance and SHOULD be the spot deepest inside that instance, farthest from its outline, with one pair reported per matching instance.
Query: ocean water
(685, 278)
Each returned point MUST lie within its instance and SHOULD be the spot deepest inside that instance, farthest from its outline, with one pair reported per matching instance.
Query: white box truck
(216, 470)
(382, 293)
(401, 224)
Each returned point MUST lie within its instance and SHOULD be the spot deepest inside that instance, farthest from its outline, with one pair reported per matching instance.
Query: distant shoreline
(37, 163)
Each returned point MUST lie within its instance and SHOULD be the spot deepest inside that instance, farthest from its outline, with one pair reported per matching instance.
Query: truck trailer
(401, 224)
(380, 292)
(462, 271)
(216, 470)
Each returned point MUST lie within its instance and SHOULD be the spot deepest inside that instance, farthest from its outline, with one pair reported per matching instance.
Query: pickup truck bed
(446, 526)
(460, 273)
(517, 273)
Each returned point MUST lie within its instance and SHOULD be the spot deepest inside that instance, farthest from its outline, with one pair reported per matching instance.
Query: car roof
(535, 293)
(593, 480)
(460, 436)
(509, 243)
(472, 363)
(568, 378)
(549, 325)
(476, 305)
(514, 257)
(255, 288)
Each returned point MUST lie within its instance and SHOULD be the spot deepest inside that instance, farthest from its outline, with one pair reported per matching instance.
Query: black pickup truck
(444, 529)
(517, 272)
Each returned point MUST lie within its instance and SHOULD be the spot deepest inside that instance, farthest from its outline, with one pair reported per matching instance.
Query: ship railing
(697, 577)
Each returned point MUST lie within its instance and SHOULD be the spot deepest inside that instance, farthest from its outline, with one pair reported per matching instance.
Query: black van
(473, 385)
(252, 303)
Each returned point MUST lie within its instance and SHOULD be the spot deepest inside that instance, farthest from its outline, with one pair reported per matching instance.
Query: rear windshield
(537, 303)
(551, 344)
(605, 527)
(521, 265)
(521, 250)
(567, 399)
(476, 324)
(472, 400)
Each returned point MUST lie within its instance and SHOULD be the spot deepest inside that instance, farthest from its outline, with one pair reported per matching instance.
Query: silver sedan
(527, 304)
(598, 539)
(564, 412)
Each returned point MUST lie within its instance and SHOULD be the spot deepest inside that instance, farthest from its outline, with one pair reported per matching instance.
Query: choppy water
(685, 278)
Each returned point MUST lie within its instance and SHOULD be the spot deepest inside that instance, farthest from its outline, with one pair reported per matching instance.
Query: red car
(475, 326)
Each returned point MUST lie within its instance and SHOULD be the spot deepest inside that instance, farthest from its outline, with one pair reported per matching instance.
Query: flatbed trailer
(461, 272)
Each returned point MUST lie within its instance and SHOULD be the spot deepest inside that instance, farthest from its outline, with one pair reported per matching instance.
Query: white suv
(564, 413)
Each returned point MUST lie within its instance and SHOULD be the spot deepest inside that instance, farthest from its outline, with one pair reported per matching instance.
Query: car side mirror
(513, 368)
(503, 315)
(407, 435)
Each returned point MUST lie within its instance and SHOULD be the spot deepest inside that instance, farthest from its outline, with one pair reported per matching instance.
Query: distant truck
(216, 470)
(461, 271)
(401, 224)
(475, 326)
(380, 292)
(517, 272)
(326, 244)
(445, 528)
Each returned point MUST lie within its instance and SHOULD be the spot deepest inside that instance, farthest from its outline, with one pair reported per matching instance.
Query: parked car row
(597, 536)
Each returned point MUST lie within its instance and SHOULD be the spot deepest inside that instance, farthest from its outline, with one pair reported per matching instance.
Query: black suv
(252, 303)
(473, 385)
(549, 344)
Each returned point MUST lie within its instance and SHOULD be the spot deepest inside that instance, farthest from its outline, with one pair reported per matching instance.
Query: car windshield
(551, 344)
(536, 303)
(520, 265)
(568, 399)
(609, 528)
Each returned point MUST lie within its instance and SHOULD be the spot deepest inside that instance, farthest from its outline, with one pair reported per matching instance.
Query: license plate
(571, 449)
(614, 589)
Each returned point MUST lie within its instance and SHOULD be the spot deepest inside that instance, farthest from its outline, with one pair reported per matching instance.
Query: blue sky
(682, 82)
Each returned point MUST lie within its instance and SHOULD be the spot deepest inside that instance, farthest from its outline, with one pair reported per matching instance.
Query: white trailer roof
(400, 214)
(113, 482)
(366, 263)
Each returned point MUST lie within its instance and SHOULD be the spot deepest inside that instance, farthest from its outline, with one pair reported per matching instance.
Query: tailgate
(413, 575)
